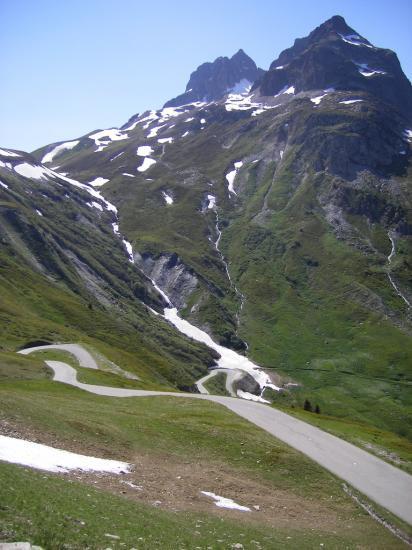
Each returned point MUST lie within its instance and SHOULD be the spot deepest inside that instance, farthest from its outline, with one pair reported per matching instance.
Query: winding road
(386, 485)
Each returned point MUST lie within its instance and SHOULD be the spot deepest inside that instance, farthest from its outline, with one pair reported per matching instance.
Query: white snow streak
(231, 177)
(144, 151)
(98, 182)
(5, 153)
(222, 502)
(168, 198)
(165, 140)
(68, 145)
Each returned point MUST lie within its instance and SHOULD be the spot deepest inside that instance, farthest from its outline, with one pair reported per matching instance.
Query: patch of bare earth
(175, 484)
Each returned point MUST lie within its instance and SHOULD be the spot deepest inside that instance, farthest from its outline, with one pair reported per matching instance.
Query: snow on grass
(5, 153)
(98, 182)
(67, 146)
(251, 397)
(229, 359)
(128, 175)
(318, 99)
(165, 140)
(112, 134)
(355, 40)
(32, 171)
(168, 198)
(4, 185)
(148, 119)
(43, 457)
(211, 202)
(144, 151)
(39, 213)
(231, 177)
(153, 131)
(222, 502)
(147, 163)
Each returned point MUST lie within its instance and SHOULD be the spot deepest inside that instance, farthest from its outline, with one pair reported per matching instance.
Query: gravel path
(386, 485)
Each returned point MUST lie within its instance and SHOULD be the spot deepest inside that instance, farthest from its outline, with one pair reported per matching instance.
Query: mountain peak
(212, 80)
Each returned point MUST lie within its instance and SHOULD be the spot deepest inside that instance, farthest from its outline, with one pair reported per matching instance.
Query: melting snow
(39, 213)
(229, 359)
(43, 457)
(113, 134)
(144, 151)
(4, 185)
(251, 396)
(165, 140)
(231, 177)
(350, 101)
(189, 119)
(5, 153)
(147, 163)
(129, 249)
(153, 131)
(279, 67)
(281, 154)
(167, 198)
(98, 182)
(212, 202)
(222, 502)
(30, 171)
(202, 121)
(95, 204)
(48, 157)
(318, 99)
(185, 134)
(6, 165)
(128, 175)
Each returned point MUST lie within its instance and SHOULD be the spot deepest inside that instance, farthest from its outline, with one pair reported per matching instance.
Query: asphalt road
(386, 485)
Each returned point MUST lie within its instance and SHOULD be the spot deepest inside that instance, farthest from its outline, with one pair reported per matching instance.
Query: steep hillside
(66, 276)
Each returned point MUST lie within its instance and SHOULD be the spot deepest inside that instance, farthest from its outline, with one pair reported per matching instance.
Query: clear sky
(72, 66)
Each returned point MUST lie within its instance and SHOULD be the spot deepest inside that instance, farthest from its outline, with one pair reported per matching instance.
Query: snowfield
(43, 457)
(147, 163)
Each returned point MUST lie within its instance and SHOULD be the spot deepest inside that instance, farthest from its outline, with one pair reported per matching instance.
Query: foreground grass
(57, 514)
(185, 429)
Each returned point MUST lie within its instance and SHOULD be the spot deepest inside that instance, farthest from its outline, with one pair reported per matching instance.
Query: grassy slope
(184, 429)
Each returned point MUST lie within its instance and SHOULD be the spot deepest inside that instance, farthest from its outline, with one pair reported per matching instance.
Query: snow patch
(251, 397)
(222, 502)
(355, 40)
(43, 457)
(153, 131)
(318, 99)
(95, 204)
(365, 70)
(39, 213)
(211, 202)
(128, 175)
(144, 151)
(408, 134)
(98, 182)
(168, 198)
(185, 134)
(68, 145)
(147, 163)
(4, 185)
(350, 101)
(165, 140)
(231, 177)
(30, 171)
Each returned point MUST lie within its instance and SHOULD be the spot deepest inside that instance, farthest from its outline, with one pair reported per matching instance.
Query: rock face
(336, 56)
(171, 275)
(211, 81)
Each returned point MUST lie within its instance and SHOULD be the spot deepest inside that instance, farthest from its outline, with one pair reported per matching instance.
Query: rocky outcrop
(169, 272)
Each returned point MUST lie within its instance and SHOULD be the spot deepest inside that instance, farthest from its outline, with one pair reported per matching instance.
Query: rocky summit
(212, 81)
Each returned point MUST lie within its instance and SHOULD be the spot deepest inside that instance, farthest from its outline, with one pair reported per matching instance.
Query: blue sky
(69, 67)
